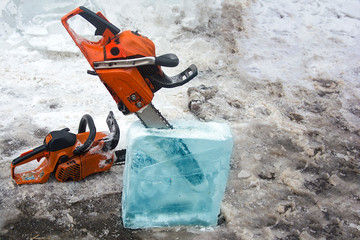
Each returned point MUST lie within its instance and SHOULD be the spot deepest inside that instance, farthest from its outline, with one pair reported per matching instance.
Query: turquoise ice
(175, 177)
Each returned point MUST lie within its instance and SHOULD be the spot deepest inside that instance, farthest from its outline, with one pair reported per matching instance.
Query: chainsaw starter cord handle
(86, 120)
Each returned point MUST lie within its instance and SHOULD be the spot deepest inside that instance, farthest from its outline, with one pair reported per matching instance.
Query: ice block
(165, 185)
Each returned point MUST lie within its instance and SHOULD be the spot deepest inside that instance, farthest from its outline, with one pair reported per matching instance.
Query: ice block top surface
(184, 129)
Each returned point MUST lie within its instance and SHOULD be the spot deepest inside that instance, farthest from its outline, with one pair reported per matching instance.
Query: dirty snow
(285, 76)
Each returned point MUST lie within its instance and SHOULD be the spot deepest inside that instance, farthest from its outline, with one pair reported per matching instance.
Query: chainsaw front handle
(86, 120)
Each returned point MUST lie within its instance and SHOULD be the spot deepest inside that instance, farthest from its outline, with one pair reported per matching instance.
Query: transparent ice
(175, 177)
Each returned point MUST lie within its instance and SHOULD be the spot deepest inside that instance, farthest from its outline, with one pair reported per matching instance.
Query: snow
(285, 75)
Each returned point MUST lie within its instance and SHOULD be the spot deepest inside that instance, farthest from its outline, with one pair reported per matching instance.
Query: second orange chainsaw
(70, 156)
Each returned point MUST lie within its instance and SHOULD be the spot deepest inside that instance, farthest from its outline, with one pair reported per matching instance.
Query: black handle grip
(98, 22)
(34, 152)
(86, 120)
(167, 60)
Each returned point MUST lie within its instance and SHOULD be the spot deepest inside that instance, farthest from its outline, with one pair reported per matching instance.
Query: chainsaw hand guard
(174, 81)
(112, 141)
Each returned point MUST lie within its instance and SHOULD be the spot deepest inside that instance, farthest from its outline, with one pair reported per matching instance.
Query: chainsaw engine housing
(80, 167)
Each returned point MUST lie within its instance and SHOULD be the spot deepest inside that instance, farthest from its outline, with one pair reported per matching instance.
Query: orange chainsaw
(70, 156)
(128, 67)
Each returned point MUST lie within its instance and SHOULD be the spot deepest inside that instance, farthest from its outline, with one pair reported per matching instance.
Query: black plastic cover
(34, 152)
(60, 140)
(98, 22)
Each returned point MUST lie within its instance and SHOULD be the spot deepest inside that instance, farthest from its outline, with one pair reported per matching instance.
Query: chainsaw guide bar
(150, 117)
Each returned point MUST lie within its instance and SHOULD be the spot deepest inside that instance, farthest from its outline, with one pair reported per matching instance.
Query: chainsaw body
(70, 156)
(125, 62)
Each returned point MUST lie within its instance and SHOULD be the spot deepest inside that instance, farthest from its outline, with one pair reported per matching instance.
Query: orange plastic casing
(120, 82)
(93, 161)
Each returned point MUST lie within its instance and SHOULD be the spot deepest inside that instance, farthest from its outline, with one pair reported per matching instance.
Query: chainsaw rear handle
(86, 120)
(103, 27)
(35, 153)
(97, 20)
